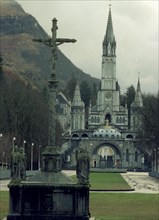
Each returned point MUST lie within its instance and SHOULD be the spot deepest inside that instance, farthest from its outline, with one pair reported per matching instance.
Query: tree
(70, 88)
(150, 120)
(1, 68)
(85, 93)
(94, 94)
(130, 97)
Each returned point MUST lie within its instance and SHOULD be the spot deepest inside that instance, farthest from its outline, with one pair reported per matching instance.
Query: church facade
(107, 138)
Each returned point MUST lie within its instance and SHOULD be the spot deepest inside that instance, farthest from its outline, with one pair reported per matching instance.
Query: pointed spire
(109, 43)
(138, 95)
(77, 97)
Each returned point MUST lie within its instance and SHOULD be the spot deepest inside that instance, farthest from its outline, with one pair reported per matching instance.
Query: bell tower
(108, 77)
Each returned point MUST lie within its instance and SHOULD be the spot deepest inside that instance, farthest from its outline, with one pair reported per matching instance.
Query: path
(140, 181)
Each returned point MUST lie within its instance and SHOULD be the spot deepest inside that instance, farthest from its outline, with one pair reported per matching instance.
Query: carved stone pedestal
(49, 195)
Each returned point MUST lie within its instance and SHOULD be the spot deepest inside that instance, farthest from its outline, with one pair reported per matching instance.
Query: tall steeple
(138, 95)
(77, 111)
(109, 43)
(77, 97)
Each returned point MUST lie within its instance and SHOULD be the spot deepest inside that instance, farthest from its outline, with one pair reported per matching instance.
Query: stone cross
(53, 42)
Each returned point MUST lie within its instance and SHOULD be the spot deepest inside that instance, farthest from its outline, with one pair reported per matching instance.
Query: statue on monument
(83, 166)
(18, 164)
(22, 163)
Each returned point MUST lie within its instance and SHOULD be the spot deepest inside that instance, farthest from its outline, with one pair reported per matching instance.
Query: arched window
(127, 155)
(117, 120)
(108, 117)
(129, 136)
(136, 156)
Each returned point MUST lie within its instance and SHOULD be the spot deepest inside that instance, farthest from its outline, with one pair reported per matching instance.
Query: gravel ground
(141, 182)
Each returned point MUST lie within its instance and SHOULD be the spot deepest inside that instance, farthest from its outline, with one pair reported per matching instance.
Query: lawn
(124, 206)
(4, 201)
(108, 181)
(112, 206)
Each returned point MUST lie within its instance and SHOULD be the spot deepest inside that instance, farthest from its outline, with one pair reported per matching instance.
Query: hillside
(26, 59)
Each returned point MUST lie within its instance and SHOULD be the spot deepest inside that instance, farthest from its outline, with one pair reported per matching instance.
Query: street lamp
(1, 135)
(39, 157)
(24, 142)
(32, 145)
(14, 138)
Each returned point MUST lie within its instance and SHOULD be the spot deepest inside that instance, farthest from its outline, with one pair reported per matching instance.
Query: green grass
(4, 201)
(107, 181)
(112, 206)
(124, 206)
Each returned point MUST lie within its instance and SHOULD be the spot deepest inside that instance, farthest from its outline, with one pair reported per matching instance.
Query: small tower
(138, 96)
(77, 110)
(136, 107)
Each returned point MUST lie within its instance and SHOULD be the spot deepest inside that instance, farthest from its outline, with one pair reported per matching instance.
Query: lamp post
(39, 168)
(32, 145)
(1, 135)
(155, 164)
(24, 142)
(14, 138)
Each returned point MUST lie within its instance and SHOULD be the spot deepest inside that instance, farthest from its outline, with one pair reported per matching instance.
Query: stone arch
(84, 135)
(129, 136)
(75, 136)
(108, 155)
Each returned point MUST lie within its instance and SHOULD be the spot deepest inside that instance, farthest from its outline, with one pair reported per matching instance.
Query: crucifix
(53, 42)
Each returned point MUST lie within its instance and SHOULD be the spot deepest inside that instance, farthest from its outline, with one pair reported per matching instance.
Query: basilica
(111, 143)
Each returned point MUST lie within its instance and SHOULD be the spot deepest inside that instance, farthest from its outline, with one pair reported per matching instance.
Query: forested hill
(25, 59)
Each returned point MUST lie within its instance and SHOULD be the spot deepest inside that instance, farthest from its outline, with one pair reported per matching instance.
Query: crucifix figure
(53, 42)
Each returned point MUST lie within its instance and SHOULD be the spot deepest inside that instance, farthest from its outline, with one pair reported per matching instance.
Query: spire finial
(110, 4)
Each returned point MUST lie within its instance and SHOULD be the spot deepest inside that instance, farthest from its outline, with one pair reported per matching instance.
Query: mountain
(25, 59)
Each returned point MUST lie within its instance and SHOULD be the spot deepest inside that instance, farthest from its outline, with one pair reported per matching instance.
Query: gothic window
(98, 119)
(92, 119)
(120, 120)
(124, 120)
(136, 156)
(108, 116)
(117, 120)
(127, 155)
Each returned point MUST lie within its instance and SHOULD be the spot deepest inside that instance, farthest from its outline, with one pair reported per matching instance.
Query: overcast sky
(135, 25)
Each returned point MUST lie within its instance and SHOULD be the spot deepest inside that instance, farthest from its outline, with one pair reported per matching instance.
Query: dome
(107, 132)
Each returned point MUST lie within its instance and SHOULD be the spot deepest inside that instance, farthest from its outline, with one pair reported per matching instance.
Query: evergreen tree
(150, 123)
(70, 88)
(85, 93)
(130, 96)
(1, 68)
(94, 94)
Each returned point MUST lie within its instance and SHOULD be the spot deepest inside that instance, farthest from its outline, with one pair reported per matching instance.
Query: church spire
(138, 95)
(109, 43)
(77, 97)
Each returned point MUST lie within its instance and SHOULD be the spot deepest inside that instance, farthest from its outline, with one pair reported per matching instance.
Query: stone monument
(50, 194)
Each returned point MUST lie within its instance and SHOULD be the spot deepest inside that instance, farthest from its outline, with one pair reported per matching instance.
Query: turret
(138, 96)
(77, 110)
(77, 97)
